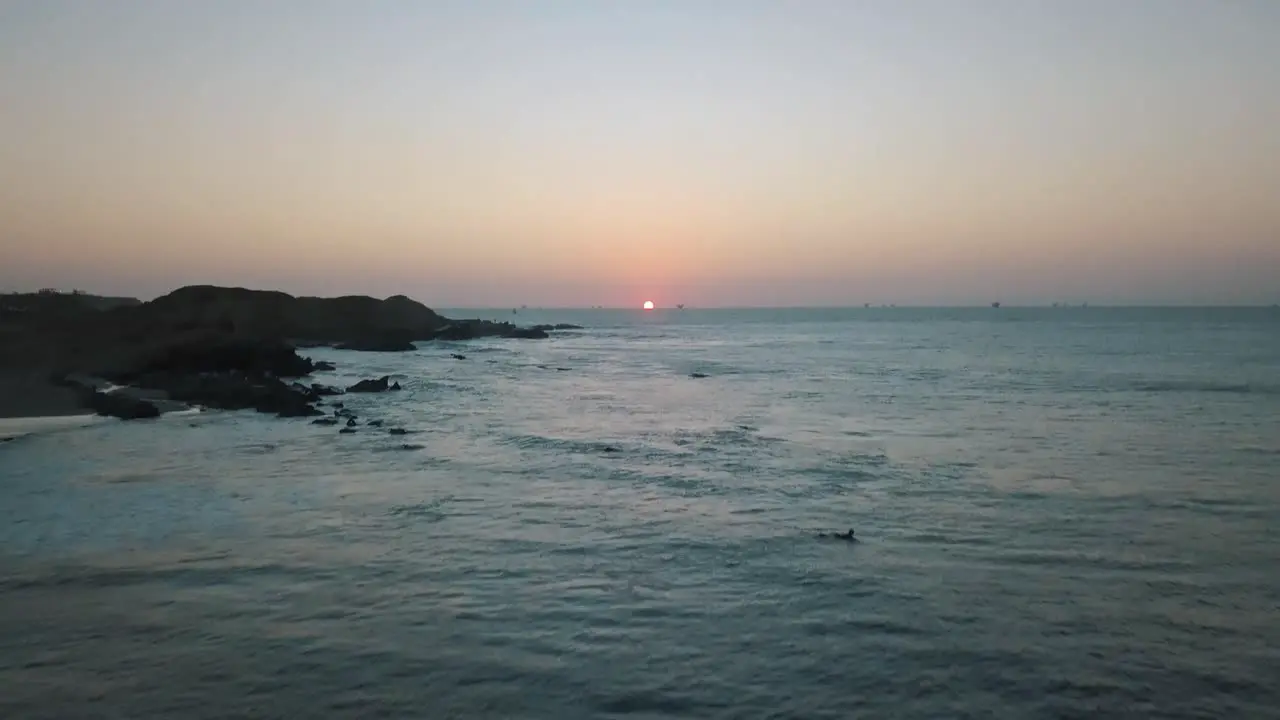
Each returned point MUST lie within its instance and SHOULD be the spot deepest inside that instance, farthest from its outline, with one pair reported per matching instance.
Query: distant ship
(995, 304)
(679, 306)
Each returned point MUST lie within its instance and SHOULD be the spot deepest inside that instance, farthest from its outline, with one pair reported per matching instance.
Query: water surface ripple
(1064, 513)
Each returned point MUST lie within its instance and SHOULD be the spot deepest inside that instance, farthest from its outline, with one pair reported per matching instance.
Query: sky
(493, 153)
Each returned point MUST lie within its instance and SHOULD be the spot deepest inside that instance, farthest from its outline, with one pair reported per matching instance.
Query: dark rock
(218, 356)
(346, 431)
(395, 385)
(388, 341)
(223, 347)
(351, 422)
(121, 406)
(339, 404)
(458, 330)
(458, 356)
(288, 407)
(398, 431)
(323, 366)
(325, 421)
(235, 391)
(374, 423)
(326, 391)
(533, 333)
(697, 375)
(260, 314)
(382, 384)
(557, 326)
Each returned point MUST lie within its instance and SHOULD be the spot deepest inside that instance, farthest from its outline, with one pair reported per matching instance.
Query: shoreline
(225, 348)
(12, 428)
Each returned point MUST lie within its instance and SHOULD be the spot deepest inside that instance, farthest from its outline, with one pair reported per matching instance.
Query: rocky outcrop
(119, 405)
(459, 330)
(357, 320)
(531, 333)
(222, 347)
(220, 355)
(236, 391)
(391, 341)
(381, 384)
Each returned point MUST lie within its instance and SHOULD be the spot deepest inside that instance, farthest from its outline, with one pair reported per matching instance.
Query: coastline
(12, 428)
(202, 345)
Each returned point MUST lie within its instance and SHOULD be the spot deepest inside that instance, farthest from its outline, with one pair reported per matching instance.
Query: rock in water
(389, 341)
(374, 423)
(382, 384)
(325, 421)
(346, 431)
(121, 406)
(532, 333)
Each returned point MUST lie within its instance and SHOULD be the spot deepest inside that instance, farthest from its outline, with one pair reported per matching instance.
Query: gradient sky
(495, 153)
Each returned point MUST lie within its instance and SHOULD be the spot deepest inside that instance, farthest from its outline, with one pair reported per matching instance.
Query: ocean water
(1063, 514)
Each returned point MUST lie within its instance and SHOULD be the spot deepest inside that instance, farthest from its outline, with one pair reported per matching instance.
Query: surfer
(847, 537)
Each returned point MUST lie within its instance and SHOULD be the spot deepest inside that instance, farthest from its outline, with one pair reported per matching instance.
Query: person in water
(847, 537)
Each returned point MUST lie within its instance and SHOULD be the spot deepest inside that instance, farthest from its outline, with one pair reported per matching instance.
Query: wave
(1193, 386)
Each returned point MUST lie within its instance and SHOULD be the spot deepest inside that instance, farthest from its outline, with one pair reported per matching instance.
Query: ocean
(1063, 513)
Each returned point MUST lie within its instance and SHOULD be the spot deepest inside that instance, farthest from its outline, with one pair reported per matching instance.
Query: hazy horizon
(1064, 305)
(571, 154)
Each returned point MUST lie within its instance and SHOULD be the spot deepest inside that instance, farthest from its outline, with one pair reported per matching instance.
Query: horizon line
(1050, 305)
(897, 306)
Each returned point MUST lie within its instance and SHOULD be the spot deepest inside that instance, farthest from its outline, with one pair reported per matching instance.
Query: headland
(207, 346)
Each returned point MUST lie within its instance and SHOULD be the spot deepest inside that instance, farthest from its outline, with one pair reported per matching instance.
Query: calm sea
(1063, 513)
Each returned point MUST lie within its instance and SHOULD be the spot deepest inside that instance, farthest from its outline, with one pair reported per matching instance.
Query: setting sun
(648, 304)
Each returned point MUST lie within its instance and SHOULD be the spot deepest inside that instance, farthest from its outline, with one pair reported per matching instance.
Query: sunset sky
(576, 153)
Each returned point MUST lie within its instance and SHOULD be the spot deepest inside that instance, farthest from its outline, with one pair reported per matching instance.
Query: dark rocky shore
(215, 347)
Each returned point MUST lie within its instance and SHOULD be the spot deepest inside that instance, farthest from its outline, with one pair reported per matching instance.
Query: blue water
(1063, 513)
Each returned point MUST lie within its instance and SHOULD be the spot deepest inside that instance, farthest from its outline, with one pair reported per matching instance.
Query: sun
(648, 304)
